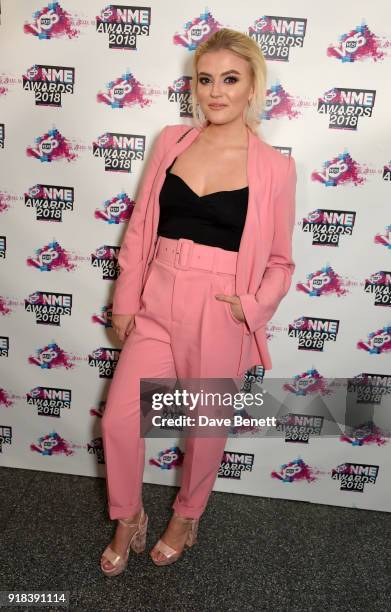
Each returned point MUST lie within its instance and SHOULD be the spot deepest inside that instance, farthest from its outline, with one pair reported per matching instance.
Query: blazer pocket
(147, 278)
(230, 290)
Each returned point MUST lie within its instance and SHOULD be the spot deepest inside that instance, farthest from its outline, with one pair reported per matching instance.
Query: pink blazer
(264, 265)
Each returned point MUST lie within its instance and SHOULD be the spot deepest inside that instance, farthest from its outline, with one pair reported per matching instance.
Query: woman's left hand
(235, 305)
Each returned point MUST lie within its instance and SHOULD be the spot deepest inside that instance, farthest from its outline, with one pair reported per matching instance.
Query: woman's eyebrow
(222, 74)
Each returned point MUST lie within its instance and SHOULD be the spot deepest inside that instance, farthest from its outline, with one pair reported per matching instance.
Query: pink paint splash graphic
(341, 170)
(52, 146)
(125, 91)
(98, 412)
(169, 458)
(196, 31)
(7, 80)
(5, 399)
(378, 342)
(51, 22)
(52, 444)
(296, 470)
(384, 239)
(104, 318)
(364, 435)
(5, 200)
(4, 309)
(117, 210)
(51, 257)
(279, 104)
(357, 45)
(322, 282)
(307, 383)
(51, 356)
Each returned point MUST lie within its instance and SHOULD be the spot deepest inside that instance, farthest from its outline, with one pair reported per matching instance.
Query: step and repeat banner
(85, 87)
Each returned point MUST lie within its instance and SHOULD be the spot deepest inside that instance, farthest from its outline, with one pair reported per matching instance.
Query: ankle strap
(126, 521)
(185, 519)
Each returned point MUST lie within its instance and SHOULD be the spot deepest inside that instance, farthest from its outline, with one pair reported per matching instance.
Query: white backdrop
(66, 97)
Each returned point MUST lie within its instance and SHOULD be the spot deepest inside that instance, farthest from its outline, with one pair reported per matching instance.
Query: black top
(216, 219)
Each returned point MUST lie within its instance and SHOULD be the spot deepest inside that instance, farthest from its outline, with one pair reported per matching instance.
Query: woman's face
(224, 86)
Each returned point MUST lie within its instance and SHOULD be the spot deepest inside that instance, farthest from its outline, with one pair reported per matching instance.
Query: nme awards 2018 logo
(327, 226)
(180, 93)
(106, 258)
(313, 332)
(105, 359)
(123, 24)
(345, 105)
(95, 447)
(49, 201)
(118, 150)
(3, 247)
(5, 436)
(48, 306)
(379, 284)
(49, 401)
(233, 465)
(48, 83)
(277, 35)
(299, 427)
(354, 476)
(4, 346)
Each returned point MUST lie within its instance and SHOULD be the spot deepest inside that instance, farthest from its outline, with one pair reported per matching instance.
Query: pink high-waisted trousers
(180, 331)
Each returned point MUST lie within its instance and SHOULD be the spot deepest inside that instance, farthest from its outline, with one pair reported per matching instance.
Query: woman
(205, 261)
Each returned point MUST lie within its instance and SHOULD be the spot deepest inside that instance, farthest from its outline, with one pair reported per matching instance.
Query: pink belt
(186, 254)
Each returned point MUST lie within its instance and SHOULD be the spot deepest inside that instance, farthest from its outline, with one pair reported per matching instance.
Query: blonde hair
(249, 50)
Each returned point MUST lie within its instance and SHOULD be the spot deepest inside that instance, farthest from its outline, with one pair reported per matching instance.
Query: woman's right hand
(122, 325)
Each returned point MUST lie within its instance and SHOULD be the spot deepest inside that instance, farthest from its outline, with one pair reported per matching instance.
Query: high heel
(171, 554)
(137, 542)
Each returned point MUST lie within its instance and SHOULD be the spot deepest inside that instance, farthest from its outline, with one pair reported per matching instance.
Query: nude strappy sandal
(172, 555)
(137, 543)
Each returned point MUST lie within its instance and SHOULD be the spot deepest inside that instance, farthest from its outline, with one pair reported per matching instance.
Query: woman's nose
(216, 89)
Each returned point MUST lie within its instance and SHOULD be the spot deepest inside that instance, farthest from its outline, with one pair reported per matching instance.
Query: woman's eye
(204, 80)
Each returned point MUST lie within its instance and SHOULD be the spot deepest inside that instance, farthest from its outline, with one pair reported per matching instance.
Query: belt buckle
(181, 253)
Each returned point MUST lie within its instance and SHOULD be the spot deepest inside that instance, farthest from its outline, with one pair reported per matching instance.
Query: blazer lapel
(173, 151)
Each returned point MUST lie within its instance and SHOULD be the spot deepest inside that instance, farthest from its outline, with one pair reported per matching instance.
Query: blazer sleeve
(258, 309)
(127, 289)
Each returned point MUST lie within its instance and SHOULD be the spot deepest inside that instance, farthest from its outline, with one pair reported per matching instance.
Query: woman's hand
(122, 325)
(235, 305)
